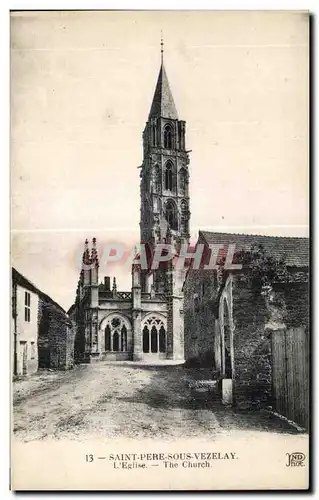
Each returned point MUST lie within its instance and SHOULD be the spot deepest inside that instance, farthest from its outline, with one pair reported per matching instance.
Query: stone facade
(229, 320)
(56, 338)
(145, 323)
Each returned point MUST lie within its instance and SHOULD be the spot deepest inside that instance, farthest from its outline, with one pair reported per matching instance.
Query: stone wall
(251, 325)
(199, 317)
(252, 353)
(56, 339)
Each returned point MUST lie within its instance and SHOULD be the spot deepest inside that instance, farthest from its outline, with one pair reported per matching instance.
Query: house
(250, 324)
(42, 333)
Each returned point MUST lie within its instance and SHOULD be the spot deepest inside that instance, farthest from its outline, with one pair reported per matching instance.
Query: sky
(81, 88)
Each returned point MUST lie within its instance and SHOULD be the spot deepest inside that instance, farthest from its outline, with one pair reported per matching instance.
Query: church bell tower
(164, 175)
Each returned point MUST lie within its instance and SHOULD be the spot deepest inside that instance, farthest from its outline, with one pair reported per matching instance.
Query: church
(147, 322)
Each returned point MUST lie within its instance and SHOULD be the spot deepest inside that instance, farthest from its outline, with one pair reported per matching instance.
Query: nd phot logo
(295, 459)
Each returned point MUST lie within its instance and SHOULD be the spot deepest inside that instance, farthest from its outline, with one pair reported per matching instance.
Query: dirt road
(127, 400)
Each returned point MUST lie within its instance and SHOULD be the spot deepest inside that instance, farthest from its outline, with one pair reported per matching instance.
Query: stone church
(147, 322)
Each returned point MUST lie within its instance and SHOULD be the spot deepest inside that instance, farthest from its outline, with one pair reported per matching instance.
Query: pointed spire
(94, 255)
(86, 254)
(163, 102)
(114, 288)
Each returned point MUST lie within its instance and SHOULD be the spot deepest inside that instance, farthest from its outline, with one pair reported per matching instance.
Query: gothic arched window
(168, 137)
(170, 215)
(154, 335)
(182, 180)
(169, 176)
(116, 333)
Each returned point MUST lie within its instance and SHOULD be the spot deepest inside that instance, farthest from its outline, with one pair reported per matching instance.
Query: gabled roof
(163, 102)
(19, 279)
(295, 251)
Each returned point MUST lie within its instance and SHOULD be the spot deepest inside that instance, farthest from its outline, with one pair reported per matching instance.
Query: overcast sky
(81, 89)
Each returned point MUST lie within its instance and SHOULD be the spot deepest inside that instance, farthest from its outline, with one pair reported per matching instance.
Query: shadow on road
(172, 388)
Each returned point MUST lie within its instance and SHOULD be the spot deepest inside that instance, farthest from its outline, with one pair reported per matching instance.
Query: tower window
(168, 137)
(170, 215)
(169, 176)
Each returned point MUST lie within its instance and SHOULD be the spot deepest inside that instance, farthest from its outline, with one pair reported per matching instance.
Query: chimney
(107, 283)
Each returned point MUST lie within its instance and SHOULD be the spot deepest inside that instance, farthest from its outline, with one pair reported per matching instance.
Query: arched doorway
(227, 344)
(227, 352)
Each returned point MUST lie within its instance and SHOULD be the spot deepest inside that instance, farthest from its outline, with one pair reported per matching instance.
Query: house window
(32, 350)
(27, 306)
(168, 137)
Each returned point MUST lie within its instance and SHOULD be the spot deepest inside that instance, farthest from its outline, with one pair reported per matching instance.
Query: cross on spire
(162, 47)
(163, 102)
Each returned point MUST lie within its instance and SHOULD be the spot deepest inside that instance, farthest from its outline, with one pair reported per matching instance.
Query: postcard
(160, 250)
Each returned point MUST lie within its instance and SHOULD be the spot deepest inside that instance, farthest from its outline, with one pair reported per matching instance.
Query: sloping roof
(18, 278)
(163, 102)
(295, 251)
(71, 309)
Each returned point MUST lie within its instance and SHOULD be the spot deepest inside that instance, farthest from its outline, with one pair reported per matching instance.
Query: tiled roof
(295, 251)
(18, 278)
(163, 102)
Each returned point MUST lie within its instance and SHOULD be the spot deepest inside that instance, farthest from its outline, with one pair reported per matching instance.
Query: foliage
(263, 269)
